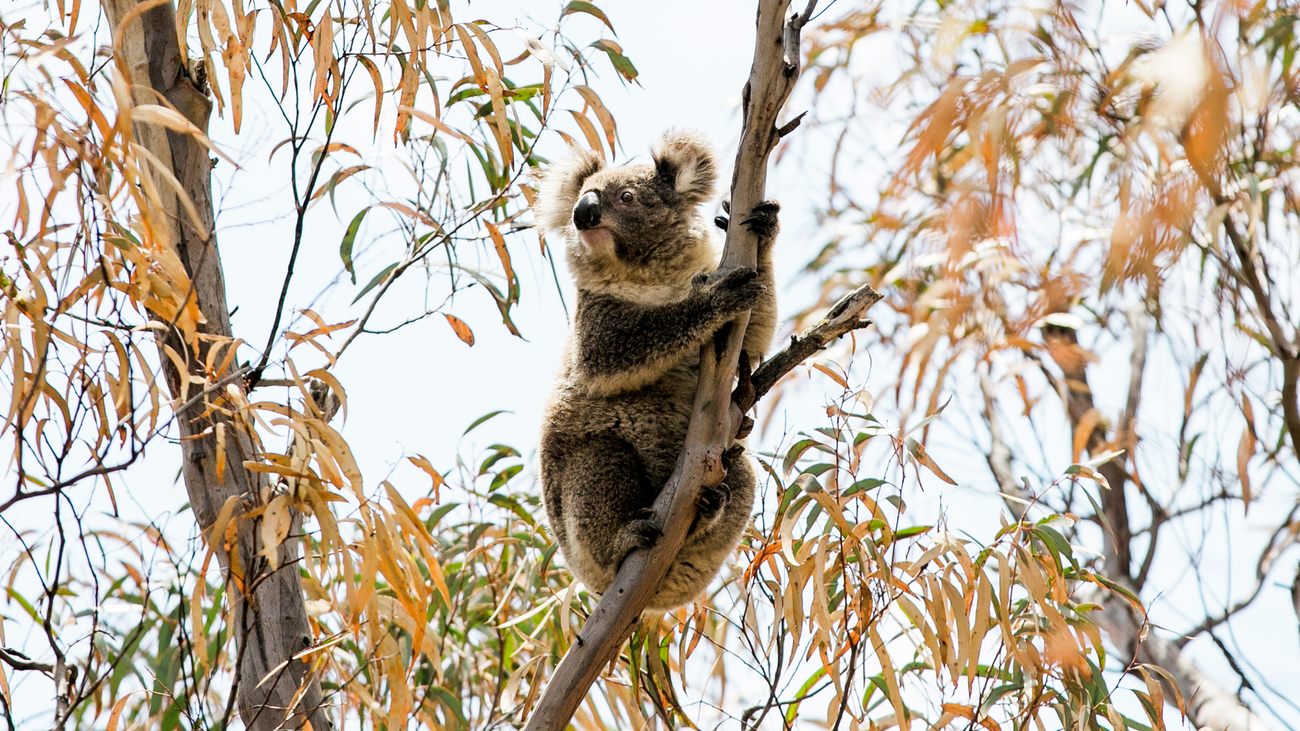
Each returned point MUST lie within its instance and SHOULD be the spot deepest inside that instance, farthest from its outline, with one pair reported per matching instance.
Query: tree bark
(270, 623)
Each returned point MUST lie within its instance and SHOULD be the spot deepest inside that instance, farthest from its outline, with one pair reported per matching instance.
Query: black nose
(586, 214)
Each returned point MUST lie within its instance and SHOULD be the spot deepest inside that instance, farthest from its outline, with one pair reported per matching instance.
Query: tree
(439, 602)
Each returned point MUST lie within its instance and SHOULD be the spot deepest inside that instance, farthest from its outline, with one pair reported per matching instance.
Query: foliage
(1084, 224)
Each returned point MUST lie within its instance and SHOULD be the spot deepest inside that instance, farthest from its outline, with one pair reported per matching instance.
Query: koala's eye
(626, 197)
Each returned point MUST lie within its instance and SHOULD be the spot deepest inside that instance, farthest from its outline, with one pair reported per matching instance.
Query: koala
(641, 255)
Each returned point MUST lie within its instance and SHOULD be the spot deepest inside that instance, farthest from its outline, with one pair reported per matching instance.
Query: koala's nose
(586, 214)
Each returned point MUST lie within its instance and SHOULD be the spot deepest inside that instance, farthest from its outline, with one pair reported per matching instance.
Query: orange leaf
(462, 330)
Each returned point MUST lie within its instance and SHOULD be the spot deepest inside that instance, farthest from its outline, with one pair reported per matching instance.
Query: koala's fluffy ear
(685, 158)
(560, 186)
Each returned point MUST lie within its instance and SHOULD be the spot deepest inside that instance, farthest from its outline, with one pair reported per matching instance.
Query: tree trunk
(270, 624)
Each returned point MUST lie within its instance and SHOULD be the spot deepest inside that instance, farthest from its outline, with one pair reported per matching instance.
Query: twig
(18, 661)
(714, 416)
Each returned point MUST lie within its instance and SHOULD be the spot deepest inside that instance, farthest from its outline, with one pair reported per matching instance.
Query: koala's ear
(560, 186)
(684, 158)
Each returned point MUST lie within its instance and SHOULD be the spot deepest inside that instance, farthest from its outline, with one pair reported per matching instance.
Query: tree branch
(844, 317)
(714, 416)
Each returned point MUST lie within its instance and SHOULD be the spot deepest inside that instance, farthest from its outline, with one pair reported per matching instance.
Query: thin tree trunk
(270, 624)
(1208, 704)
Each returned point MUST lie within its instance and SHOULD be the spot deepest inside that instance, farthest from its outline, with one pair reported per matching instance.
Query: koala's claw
(641, 533)
(762, 220)
(712, 500)
(721, 222)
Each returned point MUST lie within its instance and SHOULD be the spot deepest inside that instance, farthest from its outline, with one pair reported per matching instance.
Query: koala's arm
(625, 345)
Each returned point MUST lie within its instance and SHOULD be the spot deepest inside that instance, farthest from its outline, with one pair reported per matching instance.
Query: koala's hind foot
(711, 501)
(641, 532)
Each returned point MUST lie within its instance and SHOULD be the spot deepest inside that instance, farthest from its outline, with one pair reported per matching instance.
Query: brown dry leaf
(399, 709)
(462, 330)
(410, 79)
(891, 677)
(504, 255)
(1245, 450)
(488, 45)
(175, 121)
(197, 633)
(378, 82)
(322, 41)
(825, 368)
(606, 119)
(1061, 647)
(430, 119)
(221, 450)
(589, 131)
(420, 216)
(939, 120)
(917, 450)
(501, 124)
(969, 713)
(1083, 432)
(1207, 128)
(117, 712)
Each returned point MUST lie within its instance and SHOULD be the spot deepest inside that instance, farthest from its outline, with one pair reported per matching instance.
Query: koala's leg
(624, 345)
(710, 542)
(606, 499)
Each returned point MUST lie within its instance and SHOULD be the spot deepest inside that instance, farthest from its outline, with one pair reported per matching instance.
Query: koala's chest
(653, 419)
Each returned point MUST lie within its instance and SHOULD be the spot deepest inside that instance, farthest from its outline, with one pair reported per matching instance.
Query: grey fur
(617, 416)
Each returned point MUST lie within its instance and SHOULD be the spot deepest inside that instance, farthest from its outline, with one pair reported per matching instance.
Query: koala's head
(634, 222)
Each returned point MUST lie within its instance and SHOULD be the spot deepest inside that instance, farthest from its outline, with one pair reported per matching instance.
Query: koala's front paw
(738, 289)
(762, 220)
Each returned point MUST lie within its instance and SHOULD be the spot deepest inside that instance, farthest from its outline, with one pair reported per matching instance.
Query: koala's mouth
(597, 240)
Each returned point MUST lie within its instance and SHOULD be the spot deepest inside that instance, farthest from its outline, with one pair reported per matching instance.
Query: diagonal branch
(715, 417)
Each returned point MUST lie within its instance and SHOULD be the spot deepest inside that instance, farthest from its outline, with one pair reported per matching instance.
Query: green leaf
(502, 501)
(484, 418)
(379, 279)
(870, 483)
(450, 701)
(797, 450)
(589, 9)
(345, 248)
(622, 64)
(915, 530)
(432, 521)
